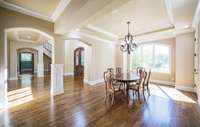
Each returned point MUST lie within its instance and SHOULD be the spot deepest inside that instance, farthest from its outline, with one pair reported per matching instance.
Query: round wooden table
(126, 78)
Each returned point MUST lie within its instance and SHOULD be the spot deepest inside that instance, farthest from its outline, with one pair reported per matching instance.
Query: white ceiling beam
(169, 9)
(196, 17)
(97, 29)
(89, 11)
(59, 9)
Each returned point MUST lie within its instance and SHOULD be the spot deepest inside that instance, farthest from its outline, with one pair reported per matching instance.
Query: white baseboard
(163, 82)
(94, 82)
(13, 78)
(68, 74)
(185, 88)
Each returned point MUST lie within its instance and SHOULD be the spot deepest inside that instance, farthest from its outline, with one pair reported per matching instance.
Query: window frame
(154, 45)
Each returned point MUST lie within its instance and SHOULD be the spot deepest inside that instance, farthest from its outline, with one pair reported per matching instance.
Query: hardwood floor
(83, 105)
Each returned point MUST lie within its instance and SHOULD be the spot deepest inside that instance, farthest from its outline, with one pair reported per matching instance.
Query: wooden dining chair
(136, 87)
(111, 88)
(138, 69)
(146, 83)
(110, 70)
(118, 70)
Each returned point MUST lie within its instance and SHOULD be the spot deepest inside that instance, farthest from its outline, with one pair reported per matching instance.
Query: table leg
(127, 92)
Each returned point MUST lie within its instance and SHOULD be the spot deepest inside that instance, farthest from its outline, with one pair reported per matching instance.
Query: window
(154, 56)
(26, 57)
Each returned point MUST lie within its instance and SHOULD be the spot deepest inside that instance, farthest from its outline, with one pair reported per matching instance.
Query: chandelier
(128, 45)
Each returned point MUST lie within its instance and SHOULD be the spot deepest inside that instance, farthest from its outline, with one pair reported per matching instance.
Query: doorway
(79, 62)
(26, 63)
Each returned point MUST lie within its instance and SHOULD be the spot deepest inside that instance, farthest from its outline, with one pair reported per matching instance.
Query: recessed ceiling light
(28, 36)
(115, 11)
(186, 26)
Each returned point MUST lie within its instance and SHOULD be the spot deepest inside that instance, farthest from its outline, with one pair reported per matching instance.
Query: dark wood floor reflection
(82, 105)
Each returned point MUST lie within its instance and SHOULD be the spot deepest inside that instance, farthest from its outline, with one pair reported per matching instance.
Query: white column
(58, 56)
(40, 68)
(3, 70)
(57, 79)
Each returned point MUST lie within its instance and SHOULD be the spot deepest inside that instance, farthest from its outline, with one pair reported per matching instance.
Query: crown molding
(57, 12)
(13, 7)
(183, 31)
(59, 9)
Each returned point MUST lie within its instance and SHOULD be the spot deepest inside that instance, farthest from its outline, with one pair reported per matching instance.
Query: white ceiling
(145, 15)
(48, 10)
(26, 35)
(109, 17)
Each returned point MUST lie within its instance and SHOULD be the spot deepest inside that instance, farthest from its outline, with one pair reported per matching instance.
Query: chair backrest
(118, 70)
(110, 70)
(148, 77)
(139, 69)
(143, 76)
(108, 80)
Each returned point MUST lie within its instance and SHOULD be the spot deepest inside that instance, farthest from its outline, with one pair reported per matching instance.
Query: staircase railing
(47, 46)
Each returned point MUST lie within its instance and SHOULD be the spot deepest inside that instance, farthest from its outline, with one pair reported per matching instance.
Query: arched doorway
(26, 63)
(79, 62)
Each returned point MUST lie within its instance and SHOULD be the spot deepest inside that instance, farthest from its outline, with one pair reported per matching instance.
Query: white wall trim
(170, 83)
(185, 88)
(68, 74)
(13, 78)
(183, 31)
(16, 8)
(57, 12)
(94, 82)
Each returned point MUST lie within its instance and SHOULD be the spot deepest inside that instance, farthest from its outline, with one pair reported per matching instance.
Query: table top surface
(127, 77)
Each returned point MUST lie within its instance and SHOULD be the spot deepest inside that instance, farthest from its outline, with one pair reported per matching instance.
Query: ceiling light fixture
(129, 44)
(28, 36)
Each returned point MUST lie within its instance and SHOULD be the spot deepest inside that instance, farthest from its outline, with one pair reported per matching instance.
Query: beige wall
(98, 57)
(70, 46)
(185, 60)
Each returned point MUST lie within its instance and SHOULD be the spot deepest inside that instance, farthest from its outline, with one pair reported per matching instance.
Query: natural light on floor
(19, 96)
(170, 93)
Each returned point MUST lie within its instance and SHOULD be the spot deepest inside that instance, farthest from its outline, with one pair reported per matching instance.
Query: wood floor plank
(82, 105)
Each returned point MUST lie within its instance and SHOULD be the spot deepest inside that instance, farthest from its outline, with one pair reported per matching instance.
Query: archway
(30, 62)
(41, 34)
(30, 38)
(79, 62)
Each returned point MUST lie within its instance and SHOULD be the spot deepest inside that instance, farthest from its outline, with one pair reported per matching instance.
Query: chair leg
(113, 98)
(144, 95)
(139, 96)
(133, 94)
(148, 90)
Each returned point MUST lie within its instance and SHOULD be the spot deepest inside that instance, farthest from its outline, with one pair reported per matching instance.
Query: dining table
(126, 79)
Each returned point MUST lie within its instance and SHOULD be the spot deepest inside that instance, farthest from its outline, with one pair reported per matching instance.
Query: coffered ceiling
(148, 17)
(145, 16)
(109, 17)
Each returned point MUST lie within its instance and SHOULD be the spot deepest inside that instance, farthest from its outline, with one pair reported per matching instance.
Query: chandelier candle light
(129, 45)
